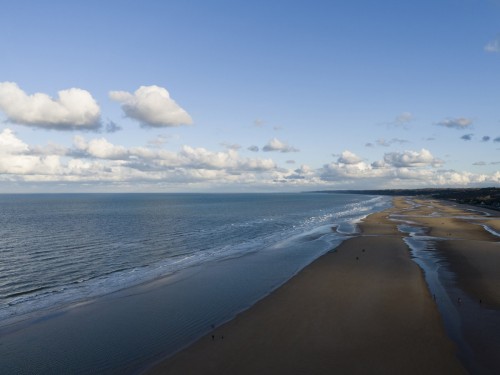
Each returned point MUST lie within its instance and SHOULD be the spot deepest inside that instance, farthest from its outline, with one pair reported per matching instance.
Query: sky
(248, 96)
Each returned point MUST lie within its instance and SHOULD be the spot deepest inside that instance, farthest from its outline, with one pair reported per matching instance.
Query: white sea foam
(491, 230)
(312, 228)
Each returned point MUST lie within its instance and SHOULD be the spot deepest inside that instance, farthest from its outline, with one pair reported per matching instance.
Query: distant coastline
(488, 197)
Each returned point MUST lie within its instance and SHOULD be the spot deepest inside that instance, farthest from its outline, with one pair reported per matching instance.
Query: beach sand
(469, 263)
(363, 308)
(473, 253)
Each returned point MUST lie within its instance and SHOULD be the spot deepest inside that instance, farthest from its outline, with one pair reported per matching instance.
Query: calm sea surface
(57, 250)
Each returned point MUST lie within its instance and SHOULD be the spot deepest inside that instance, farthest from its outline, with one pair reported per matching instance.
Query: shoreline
(351, 310)
(126, 330)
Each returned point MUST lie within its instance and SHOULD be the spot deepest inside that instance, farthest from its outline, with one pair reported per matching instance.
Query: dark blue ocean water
(221, 253)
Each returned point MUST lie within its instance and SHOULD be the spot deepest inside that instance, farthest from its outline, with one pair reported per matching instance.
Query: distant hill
(485, 197)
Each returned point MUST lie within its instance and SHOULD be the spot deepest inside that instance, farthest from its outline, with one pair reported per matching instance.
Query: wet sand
(472, 252)
(364, 308)
(466, 242)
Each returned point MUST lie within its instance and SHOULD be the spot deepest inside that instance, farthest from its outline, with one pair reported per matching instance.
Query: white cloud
(276, 145)
(411, 159)
(346, 172)
(100, 164)
(347, 157)
(152, 106)
(72, 109)
(10, 144)
(155, 160)
(493, 45)
(204, 159)
(15, 157)
(49, 149)
(457, 123)
(103, 149)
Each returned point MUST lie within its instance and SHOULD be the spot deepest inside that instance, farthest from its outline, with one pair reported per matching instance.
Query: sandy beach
(365, 307)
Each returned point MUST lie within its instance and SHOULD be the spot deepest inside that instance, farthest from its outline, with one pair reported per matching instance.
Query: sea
(190, 261)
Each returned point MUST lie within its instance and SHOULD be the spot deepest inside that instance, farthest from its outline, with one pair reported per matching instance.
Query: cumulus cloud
(205, 159)
(290, 162)
(497, 139)
(97, 162)
(100, 148)
(253, 148)
(16, 158)
(486, 138)
(276, 145)
(348, 157)
(411, 159)
(10, 144)
(480, 163)
(401, 172)
(348, 166)
(493, 45)
(301, 173)
(151, 106)
(149, 160)
(467, 137)
(456, 123)
(101, 162)
(341, 171)
(72, 109)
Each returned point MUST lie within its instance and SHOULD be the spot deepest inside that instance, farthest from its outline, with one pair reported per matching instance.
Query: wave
(251, 236)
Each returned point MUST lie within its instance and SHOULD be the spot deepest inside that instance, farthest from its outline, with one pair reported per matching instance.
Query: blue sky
(248, 96)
